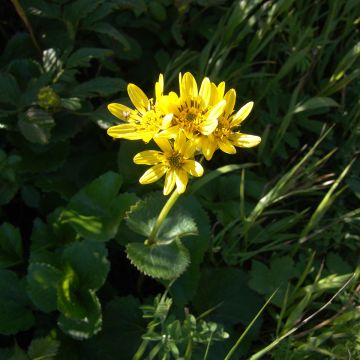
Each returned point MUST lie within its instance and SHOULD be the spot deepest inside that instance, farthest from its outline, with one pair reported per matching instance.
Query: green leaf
(89, 261)
(79, 9)
(69, 298)
(36, 125)
(159, 261)
(51, 61)
(264, 280)
(315, 103)
(83, 56)
(9, 183)
(142, 217)
(186, 286)
(158, 11)
(9, 89)
(105, 28)
(101, 85)
(96, 211)
(10, 246)
(224, 292)
(43, 348)
(15, 315)
(337, 265)
(127, 331)
(36, 158)
(18, 354)
(72, 104)
(354, 185)
(85, 326)
(31, 196)
(42, 282)
(94, 199)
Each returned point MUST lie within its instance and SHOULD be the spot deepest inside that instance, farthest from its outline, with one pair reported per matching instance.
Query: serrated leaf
(36, 125)
(315, 103)
(89, 261)
(83, 327)
(42, 282)
(69, 298)
(159, 261)
(142, 217)
(103, 86)
(43, 348)
(10, 246)
(15, 315)
(96, 211)
(83, 56)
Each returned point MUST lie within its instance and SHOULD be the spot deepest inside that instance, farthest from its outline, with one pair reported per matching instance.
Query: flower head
(226, 135)
(143, 122)
(192, 111)
(175, 161)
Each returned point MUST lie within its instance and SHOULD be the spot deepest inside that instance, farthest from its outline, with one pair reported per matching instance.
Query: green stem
(162, 216)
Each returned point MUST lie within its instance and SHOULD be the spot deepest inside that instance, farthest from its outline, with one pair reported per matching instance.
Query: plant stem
(162, 216)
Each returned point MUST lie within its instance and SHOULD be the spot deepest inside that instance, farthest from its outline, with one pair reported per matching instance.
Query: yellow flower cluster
(197, 121)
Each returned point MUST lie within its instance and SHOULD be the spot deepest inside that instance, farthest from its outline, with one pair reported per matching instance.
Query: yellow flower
(144, 122)
(225, 136)
(194, 111)
(175, 161)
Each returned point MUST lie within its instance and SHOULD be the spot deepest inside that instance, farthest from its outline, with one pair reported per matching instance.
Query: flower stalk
(162, 216)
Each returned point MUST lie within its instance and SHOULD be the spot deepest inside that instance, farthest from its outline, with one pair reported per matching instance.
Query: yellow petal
(170, 180)
(242, 114)
(217, 110)
(208, 146)
(124, 131)
(208, 126)
(120, 111)
(163, 144)
(149, 157)
(146, 136)
(153, 174)
(226, 146)
(169, 133)
(180, 142)
(193, 168)
(138, 98)
(181, 180)
(205, 91)
(245, 140)
(188, 88)
(221, 89)
(166, 121)
(159, 87)
(190, 148)
(230, 98)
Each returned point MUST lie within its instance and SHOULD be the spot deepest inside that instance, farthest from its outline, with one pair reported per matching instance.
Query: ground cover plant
(259, 255)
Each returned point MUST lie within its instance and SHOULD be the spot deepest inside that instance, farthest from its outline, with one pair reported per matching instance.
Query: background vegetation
(281, 216)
